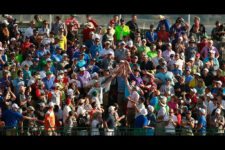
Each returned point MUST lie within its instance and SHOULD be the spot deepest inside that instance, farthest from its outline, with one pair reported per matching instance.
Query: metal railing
(87, 131)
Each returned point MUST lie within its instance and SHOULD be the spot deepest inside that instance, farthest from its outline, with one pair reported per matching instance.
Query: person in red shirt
(90, 19)
(202, 44)
(25, 45)
(163, 35)
(86, 31)
(114, 21)
(72, 21)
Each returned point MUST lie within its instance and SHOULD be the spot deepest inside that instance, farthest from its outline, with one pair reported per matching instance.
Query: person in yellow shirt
(121, 30)
(194, 82)
(62, 40)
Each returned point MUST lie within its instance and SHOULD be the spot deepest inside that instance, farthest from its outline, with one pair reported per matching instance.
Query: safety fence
(87, 131)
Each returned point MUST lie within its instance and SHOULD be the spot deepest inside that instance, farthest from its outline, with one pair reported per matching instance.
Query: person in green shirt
(143, 49)
(121, 30)
(35, 67)
(153, 52)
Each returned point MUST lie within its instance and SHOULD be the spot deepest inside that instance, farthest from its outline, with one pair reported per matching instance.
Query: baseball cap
(151, 108)
(144, 111)
(48, 60)
(42, 104)
(198, 74)
(82, 69)
(15, 106)
(194, 90)
(218, 111)
(202, 110)
(122, 43)
(51, 104)
(48, 72)
(31, 108)
(111, 108)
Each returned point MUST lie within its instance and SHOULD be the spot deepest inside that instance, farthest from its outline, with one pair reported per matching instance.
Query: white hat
(56, 85)
(144, 111)
(107, 42)
(82, 69)
(42, 104)
(59, 77)
(130, 43)
(161, 17)
(21, 83)
(162, 100)
(143, 40)
(210, 95)
(111, 108)
(218, 111)
(49, 59)
(122, 43)
(202, 110)
(13, 39)
(6, 22)
(51, 104)
(95, 74)
(97, 36)
(206, 69)
(192, 58)
(151, 108)
(15, 106)
(219, 82)
(90, 25)
(64, 55)
(194, 90)
(211, 51)
(31, 108)
(198, 74)
(70, 92)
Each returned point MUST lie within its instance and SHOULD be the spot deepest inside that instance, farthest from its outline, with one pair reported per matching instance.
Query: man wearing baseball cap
(13, 118)
(49, 122)
(201, 127)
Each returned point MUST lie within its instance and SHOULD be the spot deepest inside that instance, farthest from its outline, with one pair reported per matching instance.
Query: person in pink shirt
(207, 48)
(74, 22)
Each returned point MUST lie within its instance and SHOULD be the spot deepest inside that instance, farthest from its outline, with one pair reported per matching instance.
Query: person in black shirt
(133, 26)
(146, 64)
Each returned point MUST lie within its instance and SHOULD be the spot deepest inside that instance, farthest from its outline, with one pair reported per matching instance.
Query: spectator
(29, 32)
(201, 127)
(121, 30)
(58, 25)
(197, 30)
(132, 24)
(73, 22)
(50, 121)
(151, 35)
(188, 124)
(163, 22)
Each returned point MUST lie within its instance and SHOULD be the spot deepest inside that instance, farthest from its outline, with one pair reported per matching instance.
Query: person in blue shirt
(16, 81)
(151, 35)
(188, 76)
(81, 62)
(57, 57)
(178, 27)
(41, 51)
(96, 48)
(163, 21)
(82, 51)
(3, 58)
(49, 80)
(12, 119)
(211, 61)
(92, 67)
(201, 128)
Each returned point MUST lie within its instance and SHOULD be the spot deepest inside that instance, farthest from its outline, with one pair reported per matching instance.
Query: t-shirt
(111, 121)
(11, 118)
(141, 121)
(66, 111)
(202, 121)
(170, 128)
(50, 117)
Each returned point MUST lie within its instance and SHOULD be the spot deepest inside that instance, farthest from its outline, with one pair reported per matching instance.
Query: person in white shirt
(28, 61)
(29, 32)
(66, 110)
(179, 61)
(107, 50)
(166, 54)
(155, 60)
(171, 123)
